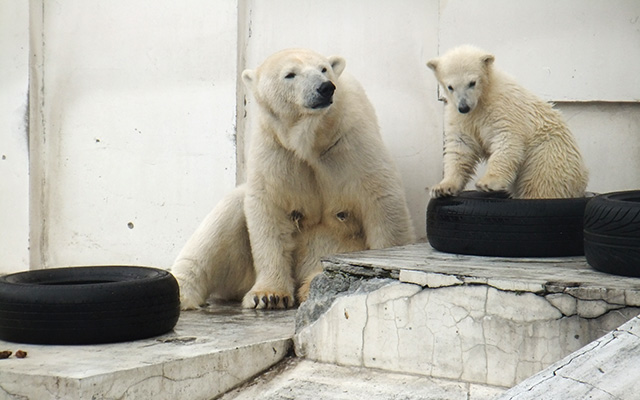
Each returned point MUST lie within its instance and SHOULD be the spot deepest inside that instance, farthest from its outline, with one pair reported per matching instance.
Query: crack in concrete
(593, 346)
(364, 328)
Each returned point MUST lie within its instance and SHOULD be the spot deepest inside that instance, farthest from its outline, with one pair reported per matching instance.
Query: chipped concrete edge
(327, 287)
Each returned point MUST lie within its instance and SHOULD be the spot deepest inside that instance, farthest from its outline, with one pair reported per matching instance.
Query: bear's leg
(554, 169)
(272, 234)
(507, 153)
(461, 155)
(217, 258)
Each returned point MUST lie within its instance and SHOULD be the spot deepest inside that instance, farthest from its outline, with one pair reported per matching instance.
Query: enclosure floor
(226, 351)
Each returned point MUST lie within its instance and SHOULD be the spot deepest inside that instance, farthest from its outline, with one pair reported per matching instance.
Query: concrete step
(209, 352)
(300, 379)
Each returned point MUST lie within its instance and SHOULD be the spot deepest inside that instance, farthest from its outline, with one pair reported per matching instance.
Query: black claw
(277, 300)
(272, 301)
(285, 300)
(265, 300)
(256, 300)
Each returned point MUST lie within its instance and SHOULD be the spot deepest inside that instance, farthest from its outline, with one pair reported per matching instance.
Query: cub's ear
(488, 59)
(433, 64)
(249, 78)
(337, 65)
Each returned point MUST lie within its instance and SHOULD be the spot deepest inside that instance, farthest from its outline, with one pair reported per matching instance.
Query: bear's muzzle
(325, 95)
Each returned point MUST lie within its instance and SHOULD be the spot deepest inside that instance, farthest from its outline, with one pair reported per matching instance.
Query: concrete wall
(137, 140)
(137, 123)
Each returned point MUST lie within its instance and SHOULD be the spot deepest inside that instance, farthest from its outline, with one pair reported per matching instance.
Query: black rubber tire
(87, 305)
(612, 233)
(492, 224)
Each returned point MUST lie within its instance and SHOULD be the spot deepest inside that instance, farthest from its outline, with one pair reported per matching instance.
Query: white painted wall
(132, 122)
(137, 144)
(566, 50)
(14, 155)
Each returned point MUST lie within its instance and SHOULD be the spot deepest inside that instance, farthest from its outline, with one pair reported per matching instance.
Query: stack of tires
(605, 228)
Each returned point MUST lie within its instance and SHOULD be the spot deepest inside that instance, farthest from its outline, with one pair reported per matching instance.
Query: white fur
(319, 181)
(530, 152)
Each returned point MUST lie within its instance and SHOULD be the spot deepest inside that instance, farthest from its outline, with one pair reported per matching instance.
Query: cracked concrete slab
(421, 264)
(208, 352)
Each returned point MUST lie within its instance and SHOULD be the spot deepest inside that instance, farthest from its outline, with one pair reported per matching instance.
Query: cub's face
(463, 91)
(462, 73)
(295, 81)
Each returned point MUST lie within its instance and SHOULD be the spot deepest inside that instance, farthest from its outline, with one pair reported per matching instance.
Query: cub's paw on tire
(612, 233)
(492, 224)
(87, 305)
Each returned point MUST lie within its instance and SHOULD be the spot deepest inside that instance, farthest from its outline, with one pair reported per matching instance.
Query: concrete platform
(492, 321)
(209, 352)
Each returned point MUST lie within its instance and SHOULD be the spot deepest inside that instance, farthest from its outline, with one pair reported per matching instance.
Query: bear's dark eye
(290, 75)
(472, 84)
(324, 70)
(450, 88)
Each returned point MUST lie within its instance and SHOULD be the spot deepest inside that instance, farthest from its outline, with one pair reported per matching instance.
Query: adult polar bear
(531, 153)
(319, 181)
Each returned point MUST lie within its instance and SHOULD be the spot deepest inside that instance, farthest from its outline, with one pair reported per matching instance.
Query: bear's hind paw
(188, 304)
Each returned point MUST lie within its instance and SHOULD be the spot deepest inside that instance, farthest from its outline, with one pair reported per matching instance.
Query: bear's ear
(337, 65)
(433, 64)
(249, 78)
(488, 59)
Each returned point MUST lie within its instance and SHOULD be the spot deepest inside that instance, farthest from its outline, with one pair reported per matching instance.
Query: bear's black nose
(463, 108)
(326, 89)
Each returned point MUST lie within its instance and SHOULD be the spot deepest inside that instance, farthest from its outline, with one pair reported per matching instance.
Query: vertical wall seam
(44, 197)
(38, 199)
(243, 25)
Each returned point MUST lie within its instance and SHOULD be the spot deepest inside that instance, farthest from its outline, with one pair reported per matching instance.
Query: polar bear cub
(530, 152)
(319, 181)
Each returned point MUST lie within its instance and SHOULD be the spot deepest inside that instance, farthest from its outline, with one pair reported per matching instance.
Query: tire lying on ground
(492, 224)
(87, 305)
(612, 233)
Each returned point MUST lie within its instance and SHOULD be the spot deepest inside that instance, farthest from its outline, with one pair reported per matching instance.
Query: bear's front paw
(492, 183)
(270, 299)
(446, 188)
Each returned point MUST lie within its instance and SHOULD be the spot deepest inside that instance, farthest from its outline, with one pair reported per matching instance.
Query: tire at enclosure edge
(87, 305)
(491, 224)
(612, 233)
